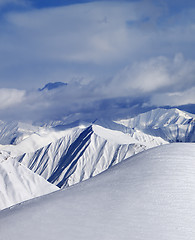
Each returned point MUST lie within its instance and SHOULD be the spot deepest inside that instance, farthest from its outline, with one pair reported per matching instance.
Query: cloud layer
(10, 97)
(112, 54)
(156, 82)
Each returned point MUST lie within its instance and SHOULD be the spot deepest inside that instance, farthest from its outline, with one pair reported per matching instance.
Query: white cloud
(160, 74)
(10, 97)
(159, 81)
(94, 32)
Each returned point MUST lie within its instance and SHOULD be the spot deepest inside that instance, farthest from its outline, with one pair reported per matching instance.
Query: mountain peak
(51, 86)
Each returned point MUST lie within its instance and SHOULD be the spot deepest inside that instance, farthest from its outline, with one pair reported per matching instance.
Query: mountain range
(60, 155)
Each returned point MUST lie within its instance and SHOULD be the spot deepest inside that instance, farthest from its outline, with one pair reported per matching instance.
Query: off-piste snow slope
(146, 197)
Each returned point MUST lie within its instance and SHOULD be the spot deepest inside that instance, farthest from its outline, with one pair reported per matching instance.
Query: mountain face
(148, 196)
(172, 125)
(18, 183)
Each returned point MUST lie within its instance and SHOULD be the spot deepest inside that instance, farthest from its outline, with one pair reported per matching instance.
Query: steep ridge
(172, 125)
(146, 139)
(70, 160)
(149, 196)
(18, 183)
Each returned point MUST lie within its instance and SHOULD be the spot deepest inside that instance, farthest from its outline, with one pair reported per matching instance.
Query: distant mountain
(51, 86)
(14, 132)
(149, 196)
(188, 108)
(172, 125)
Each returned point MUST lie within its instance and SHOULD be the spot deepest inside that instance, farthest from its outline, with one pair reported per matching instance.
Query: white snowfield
(18, 183)
(146, 197)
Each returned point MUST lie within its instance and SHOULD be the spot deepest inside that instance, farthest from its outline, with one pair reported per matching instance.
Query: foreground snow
(149, 196)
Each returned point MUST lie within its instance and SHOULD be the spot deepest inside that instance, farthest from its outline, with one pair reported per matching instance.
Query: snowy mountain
(18, 183)
(149, 196)
(81, 154)
(66, 157)
(172, 125)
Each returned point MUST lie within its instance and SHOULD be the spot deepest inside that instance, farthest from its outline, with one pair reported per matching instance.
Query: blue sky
(103, 49)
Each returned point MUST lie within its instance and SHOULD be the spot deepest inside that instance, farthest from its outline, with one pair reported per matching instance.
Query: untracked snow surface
(150, 196)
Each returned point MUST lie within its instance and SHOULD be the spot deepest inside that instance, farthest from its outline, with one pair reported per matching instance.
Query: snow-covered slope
(149, 196)
(79, 156)
(18, 183)
(172, 125)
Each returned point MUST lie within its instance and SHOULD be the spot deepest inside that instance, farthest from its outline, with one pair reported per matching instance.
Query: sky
(112, 54)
